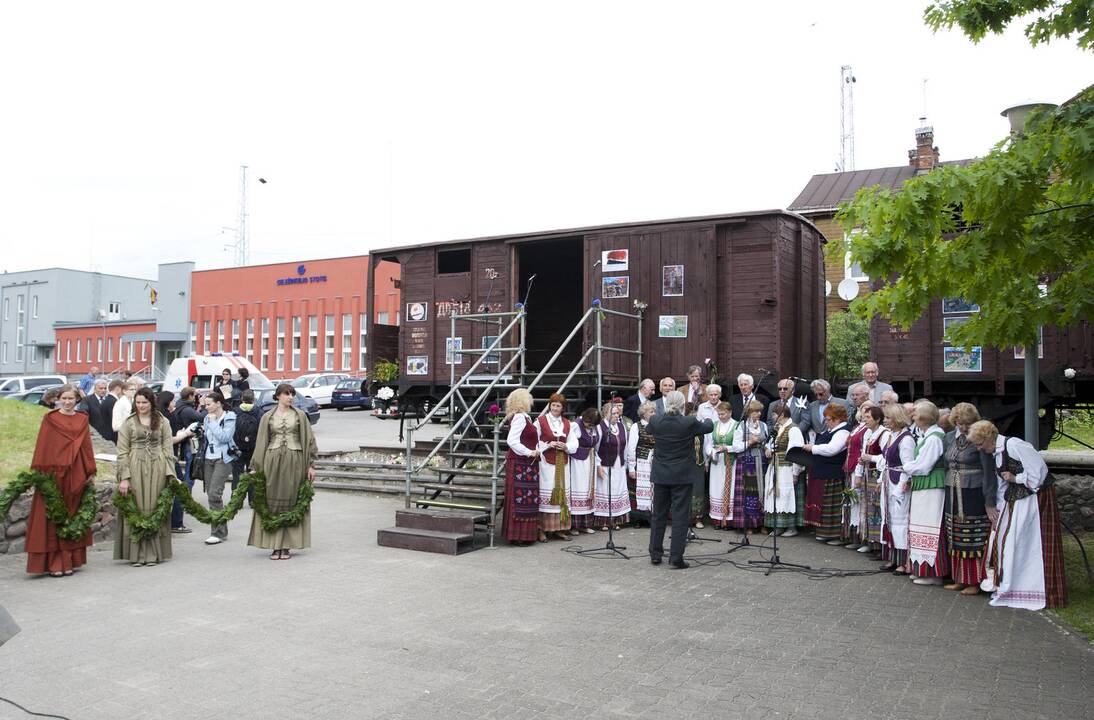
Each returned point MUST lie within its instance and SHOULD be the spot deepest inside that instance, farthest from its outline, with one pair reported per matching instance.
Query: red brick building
(292, 318)
(105, 345)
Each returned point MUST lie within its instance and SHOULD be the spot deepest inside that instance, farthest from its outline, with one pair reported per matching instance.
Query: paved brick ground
(352, 630)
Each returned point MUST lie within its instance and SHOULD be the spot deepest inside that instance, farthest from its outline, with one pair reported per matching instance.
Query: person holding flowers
(63, 450)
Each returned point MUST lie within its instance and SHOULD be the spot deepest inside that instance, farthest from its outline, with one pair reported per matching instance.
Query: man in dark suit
(672, 476)
(92, 404)
(667, 386)
(631, 405)
(813, 417)
(738, 403)
(786, 397)
(106, 411)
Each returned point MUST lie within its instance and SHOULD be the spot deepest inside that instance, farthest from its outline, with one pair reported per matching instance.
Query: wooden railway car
(920, 363)
(745, 290)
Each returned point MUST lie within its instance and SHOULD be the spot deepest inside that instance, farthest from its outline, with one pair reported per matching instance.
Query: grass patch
(1079, 424)
(19, 423)
(1079, 612)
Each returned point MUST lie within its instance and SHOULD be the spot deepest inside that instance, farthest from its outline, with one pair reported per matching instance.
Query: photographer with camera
(220, 453)
(186, 421)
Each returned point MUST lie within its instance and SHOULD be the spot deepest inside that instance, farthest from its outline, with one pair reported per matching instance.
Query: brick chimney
(925, 156)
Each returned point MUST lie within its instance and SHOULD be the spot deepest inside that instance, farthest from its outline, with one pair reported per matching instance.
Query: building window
(115, 308)
(281, 343)
(347, 342)
(193, 336)
(313, 340)
(88, 351)
(99, 350)
(235, 336)
(34, 353)
(110, 349)
(144, 351)
(249, 339)
(78, 345)
(222, 339)
(296, 322)
(328, 344)
(381, 318)
(853, 270)
(20, 327)
(206, 340)
(363, 365)
(68, 351)
(7, 308)
(34, 306)
(264, 344)
(132, 351)
(453, 261)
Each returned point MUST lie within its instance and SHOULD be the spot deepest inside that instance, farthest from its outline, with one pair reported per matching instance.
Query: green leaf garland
(69, 527)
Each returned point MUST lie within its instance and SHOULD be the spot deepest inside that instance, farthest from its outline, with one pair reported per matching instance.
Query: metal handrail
(471, 370)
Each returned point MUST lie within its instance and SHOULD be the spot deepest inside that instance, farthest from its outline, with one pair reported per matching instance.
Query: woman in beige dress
(284, 451)
(145, 462)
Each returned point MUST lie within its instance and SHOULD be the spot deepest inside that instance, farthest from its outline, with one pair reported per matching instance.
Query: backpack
(246, 433)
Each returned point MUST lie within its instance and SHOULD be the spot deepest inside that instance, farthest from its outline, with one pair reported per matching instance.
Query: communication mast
(242, 251)
(846, 119)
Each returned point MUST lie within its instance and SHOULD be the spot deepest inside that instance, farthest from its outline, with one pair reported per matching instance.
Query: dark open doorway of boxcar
(556, 301)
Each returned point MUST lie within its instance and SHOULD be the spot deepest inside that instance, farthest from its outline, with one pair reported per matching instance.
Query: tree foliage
(994, 232)
(848, 345)
(977, 18)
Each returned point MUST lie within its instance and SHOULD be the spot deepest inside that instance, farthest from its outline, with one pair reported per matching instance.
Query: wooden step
(486, 457)
(459, 472)
(455, 504)
(436, 541)
(469, 490)
(369, 476)
(343, 465)
(443, 520)
(389, 489)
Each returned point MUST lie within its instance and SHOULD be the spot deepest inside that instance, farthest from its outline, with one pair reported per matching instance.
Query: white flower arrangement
(385, 393)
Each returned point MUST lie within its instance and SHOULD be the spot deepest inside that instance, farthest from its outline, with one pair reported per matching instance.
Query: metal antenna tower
(846, 119)
(242, 251)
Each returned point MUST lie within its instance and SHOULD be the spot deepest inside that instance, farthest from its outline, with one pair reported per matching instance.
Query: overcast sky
(123, 125)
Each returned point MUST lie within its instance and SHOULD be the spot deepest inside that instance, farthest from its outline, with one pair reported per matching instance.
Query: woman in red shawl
(63, 450)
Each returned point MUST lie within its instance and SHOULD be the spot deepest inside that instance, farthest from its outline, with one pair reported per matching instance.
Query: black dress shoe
(655, 561)
(680, 564)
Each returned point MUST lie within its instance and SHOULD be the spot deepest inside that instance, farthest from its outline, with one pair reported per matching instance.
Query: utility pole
(846, 119)
(242, 251)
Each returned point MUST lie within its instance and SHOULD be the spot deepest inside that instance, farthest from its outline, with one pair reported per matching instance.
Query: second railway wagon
(745, 290)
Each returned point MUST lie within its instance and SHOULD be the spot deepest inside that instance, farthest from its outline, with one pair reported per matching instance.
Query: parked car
(264, 400)
(22, 383)
(318, 386)
(351, 392)
(34, 395)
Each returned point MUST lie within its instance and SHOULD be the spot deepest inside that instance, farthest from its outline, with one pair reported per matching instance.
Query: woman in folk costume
(868, 479)
(64, 450)
(971, 488)
(927, 471)
(897, 449)
(853, 525)
(780, 503)
(554, 445)
(582, 464)
(520, 523)
(824, 500)
(718, 447)
(749, 439)
(612, 504)
(639, 458)
(1025, 553)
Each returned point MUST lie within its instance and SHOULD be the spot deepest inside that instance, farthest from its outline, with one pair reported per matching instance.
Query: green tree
(1001, 230)
(848, 345)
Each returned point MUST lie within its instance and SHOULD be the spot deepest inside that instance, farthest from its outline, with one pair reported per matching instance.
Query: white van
(202, 372)
(11, 386)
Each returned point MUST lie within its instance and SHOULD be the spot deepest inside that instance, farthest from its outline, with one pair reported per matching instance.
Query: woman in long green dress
(145, 462)
(284, 451)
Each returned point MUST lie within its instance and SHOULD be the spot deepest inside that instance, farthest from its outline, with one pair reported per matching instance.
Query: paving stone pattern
(352, 630)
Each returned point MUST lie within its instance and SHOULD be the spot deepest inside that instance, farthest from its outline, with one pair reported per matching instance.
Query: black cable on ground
(31, 712)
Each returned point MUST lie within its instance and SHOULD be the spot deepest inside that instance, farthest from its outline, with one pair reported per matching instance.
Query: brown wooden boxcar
(750, 285)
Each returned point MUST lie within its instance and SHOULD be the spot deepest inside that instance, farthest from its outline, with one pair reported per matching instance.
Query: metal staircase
(466, 491)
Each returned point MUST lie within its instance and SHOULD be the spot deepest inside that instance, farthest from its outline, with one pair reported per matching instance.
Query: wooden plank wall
(748, 337)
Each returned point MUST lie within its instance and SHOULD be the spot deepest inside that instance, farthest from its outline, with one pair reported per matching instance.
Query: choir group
(940, 496)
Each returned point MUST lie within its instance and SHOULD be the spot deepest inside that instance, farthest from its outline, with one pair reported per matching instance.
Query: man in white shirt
(708, 410)
(123, 408)
(875, 386)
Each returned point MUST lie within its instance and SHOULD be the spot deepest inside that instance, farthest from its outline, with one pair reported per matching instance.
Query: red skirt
(1052, 548)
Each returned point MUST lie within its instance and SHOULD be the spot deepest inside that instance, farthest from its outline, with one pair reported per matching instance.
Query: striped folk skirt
(748, 511)
(520, 522)
(824, 506)
(872, 499)
(966, 534)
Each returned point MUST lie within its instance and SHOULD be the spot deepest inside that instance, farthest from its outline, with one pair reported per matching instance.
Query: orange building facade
(292, 318)
(105, 345)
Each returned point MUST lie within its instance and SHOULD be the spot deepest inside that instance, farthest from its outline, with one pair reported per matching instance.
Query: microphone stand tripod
(610, 547)
(775, 560)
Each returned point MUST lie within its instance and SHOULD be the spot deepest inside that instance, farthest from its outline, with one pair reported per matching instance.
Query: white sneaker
(213, 540)
(927, 581)
(863, 549)
(789, 533)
